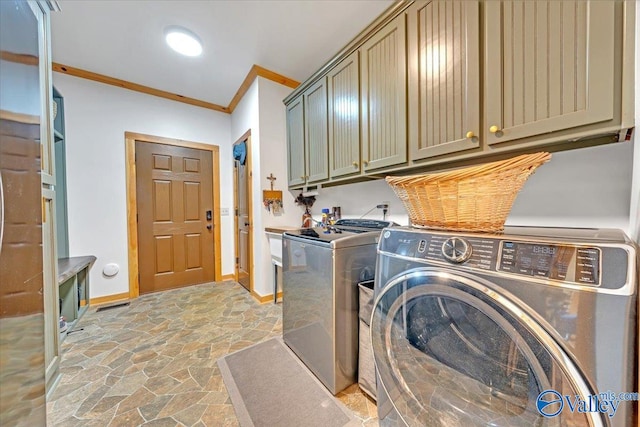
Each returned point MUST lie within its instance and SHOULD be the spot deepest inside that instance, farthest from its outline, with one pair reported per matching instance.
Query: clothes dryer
(533, 327)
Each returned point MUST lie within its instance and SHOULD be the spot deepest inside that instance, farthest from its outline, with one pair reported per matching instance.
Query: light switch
(224, 211)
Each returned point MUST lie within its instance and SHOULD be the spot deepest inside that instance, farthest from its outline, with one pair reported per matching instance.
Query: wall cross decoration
(271, 178)
(272, 199)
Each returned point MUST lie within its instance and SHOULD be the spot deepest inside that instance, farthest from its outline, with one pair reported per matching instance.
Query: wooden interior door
(243, 222)
(175, 216)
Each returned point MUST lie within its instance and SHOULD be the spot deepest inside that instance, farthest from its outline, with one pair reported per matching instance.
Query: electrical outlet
(224, 211)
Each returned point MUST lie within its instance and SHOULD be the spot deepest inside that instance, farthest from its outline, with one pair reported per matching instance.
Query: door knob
(209, 226)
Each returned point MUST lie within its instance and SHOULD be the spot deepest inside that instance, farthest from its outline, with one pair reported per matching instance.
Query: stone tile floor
(153, 363)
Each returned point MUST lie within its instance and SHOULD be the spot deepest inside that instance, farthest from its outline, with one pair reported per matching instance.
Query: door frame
(130, 139)
(247, 138)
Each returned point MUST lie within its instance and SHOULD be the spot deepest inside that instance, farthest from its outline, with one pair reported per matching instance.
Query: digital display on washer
(566, 263)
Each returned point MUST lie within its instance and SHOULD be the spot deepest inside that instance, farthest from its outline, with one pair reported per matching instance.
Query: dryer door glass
(452, 351)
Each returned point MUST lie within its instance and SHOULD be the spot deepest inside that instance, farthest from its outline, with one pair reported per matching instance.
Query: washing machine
(321, 271)
(531, 327)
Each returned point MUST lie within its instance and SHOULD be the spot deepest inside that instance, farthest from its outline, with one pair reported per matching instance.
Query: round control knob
(456, 249)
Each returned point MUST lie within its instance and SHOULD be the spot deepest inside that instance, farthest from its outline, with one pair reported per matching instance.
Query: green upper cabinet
(383, 84)
(550, 66)
(295, 142)
(443, 77)
(315, 131)
(344, 117)
(434, 83)
(307, 139)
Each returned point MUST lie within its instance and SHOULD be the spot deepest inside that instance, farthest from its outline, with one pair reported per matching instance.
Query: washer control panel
(567, 263)
(577, 264)
(456, 250)
(474, 252)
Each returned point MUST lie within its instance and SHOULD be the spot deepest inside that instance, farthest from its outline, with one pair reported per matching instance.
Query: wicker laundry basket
(476, 198)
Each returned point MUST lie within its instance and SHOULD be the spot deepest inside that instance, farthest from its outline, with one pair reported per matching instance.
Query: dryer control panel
(567, 263)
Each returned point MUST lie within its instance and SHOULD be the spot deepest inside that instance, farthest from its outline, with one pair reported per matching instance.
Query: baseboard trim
(263, 299)
(228, 277)
(110, 299)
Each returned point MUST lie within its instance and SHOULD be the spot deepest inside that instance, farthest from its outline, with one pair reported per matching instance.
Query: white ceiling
(124, 39)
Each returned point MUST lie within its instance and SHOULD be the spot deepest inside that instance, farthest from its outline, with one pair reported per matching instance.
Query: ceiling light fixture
(183, 41)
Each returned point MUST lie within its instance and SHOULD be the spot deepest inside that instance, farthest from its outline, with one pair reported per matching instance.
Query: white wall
(589, 187)
(262, 111)
(96, 118)
(360, 200)
(273, 160)
(246, 117)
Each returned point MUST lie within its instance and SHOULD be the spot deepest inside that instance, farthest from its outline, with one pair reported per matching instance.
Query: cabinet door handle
(494, 129)
(365, 162)
(302, 177)
(355, 164)
(470, 134)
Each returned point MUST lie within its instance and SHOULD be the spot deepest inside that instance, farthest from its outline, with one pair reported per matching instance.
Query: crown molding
(254, 72)
(258, 71)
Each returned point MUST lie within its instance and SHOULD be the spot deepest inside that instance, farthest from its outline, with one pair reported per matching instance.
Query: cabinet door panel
(317, 154)
(555, 70)
(383, 89)
(444, 77)
(51, 317)
(295, 142)
(344, 117)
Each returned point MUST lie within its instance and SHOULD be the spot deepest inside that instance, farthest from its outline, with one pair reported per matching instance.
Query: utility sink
(274, 234)
(275, 242)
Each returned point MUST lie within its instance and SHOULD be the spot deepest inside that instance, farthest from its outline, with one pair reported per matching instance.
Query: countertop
(69, 267)
(279, 229)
